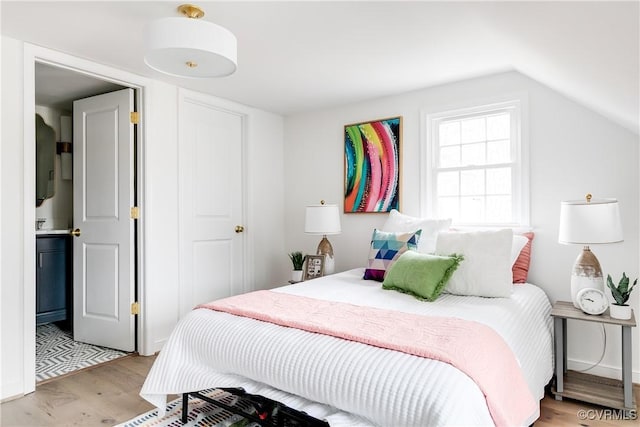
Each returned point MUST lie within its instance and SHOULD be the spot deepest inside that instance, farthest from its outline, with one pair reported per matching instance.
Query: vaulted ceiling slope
(301, 56)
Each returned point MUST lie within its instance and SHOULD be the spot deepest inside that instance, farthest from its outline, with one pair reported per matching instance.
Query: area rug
(201, 413)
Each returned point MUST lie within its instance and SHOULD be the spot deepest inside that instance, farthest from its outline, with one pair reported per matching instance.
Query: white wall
(573, 150)
(266, 208)
(161, 295)
(11, 202)
(159, 288)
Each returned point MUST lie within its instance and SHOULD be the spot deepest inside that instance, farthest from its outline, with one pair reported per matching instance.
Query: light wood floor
(108, 394)
(103, 395)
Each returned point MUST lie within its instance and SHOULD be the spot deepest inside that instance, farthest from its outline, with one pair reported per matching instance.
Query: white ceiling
(59, 87)
(303, 55)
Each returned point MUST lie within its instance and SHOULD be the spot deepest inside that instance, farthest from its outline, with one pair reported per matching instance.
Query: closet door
(211, 212)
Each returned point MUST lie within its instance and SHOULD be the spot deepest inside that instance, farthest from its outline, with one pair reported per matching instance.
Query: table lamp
(323, 219)
(588, 222)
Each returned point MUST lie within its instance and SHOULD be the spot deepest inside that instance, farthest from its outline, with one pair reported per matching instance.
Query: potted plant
(620, 309)
(297, 259)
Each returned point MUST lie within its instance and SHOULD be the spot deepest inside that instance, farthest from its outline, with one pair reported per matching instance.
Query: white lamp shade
(589, 223)
(172, 43)
(322, 219)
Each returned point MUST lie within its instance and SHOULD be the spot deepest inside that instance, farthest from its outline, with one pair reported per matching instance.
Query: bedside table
(587, 387)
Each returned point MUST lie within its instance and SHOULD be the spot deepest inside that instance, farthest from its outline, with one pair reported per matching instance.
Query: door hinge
(135, 308)
(135, 212)
(135, 117)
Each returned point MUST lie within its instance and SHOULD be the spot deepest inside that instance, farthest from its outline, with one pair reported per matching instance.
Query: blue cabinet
(53, 278)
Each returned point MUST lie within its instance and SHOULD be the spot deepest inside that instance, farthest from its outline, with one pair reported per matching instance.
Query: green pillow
(422, 275)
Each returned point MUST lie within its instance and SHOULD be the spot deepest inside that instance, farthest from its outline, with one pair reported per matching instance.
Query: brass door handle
(75, 232)
(239, 228)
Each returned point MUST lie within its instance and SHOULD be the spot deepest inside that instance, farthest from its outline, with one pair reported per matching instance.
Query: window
(476, 168)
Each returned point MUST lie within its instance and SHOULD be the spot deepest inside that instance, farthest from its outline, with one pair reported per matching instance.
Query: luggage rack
(256, 409)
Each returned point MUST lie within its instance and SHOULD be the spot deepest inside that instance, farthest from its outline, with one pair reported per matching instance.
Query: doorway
(58, 268)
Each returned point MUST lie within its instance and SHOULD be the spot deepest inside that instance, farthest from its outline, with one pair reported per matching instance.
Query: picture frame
(372, 165)
(313, 267)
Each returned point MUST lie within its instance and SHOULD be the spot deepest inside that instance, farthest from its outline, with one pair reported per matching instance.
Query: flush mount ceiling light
(190, 47)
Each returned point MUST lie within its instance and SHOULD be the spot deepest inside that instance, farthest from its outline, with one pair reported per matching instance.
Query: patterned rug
(57, 353)
(200, 414)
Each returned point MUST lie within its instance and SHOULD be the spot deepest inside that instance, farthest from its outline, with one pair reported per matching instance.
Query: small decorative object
(65, 148)
(592, 301)
(372, 165)
(620, 309)
(587, 222)
(297, 259)
(323, 219)
(314, 267)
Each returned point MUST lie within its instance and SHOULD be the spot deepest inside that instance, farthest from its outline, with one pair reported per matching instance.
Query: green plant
(621, 292)
(297, 259)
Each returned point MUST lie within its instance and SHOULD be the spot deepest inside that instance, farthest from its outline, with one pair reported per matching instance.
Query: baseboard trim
(11, 391)
(602, 370)
(157, 346)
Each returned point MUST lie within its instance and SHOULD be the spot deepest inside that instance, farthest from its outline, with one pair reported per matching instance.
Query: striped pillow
(385, 249)
(520, 269)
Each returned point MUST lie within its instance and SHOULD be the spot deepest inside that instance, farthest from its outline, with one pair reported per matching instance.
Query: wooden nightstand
(587, 387)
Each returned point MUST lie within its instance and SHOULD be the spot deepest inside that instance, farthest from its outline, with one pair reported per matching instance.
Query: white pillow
(486, 268)
(519, 242)
(401, 223)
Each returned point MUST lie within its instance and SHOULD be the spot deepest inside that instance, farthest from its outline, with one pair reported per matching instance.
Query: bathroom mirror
(45, 155)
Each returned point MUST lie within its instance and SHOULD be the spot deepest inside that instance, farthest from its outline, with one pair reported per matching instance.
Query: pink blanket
(469, 346)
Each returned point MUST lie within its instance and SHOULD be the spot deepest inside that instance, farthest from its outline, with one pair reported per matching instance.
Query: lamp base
(325, 248)
(586, 273)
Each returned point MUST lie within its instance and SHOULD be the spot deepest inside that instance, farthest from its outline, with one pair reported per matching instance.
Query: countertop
(44, 232)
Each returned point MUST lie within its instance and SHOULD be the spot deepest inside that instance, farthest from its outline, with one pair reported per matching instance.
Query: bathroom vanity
(53, 276)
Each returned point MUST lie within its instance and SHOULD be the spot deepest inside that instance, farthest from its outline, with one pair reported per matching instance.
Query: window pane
(448, 207)
(499, 181)
(449, 133)
(498, 209)
(476, 161)
(449, 156)
(498, 127)
(473, 154)
(498, 152)
(472, 209)
(473, 130)
(472, 182)
(448, 184)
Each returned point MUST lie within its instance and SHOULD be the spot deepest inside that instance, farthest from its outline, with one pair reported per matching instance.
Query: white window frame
(517, 106)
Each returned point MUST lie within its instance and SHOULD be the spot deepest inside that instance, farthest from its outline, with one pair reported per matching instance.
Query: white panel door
(103, 193)
(211, 253)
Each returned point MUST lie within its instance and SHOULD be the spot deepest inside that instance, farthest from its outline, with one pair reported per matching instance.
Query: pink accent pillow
(520, 268)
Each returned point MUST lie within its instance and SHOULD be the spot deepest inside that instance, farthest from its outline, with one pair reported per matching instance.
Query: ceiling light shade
(190, 47)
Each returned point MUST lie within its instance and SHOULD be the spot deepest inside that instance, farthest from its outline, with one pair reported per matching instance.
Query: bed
(349, 383)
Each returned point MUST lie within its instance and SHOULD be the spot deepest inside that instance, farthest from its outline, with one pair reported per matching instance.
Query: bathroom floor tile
(57, 353)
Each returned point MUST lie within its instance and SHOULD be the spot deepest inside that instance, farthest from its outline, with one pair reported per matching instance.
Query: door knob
(75, 232)
(239, 228)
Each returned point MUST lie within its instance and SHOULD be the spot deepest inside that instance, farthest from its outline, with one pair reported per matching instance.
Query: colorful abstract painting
(372, 166)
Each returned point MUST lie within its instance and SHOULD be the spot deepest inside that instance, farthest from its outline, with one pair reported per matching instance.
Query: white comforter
(349, 383)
